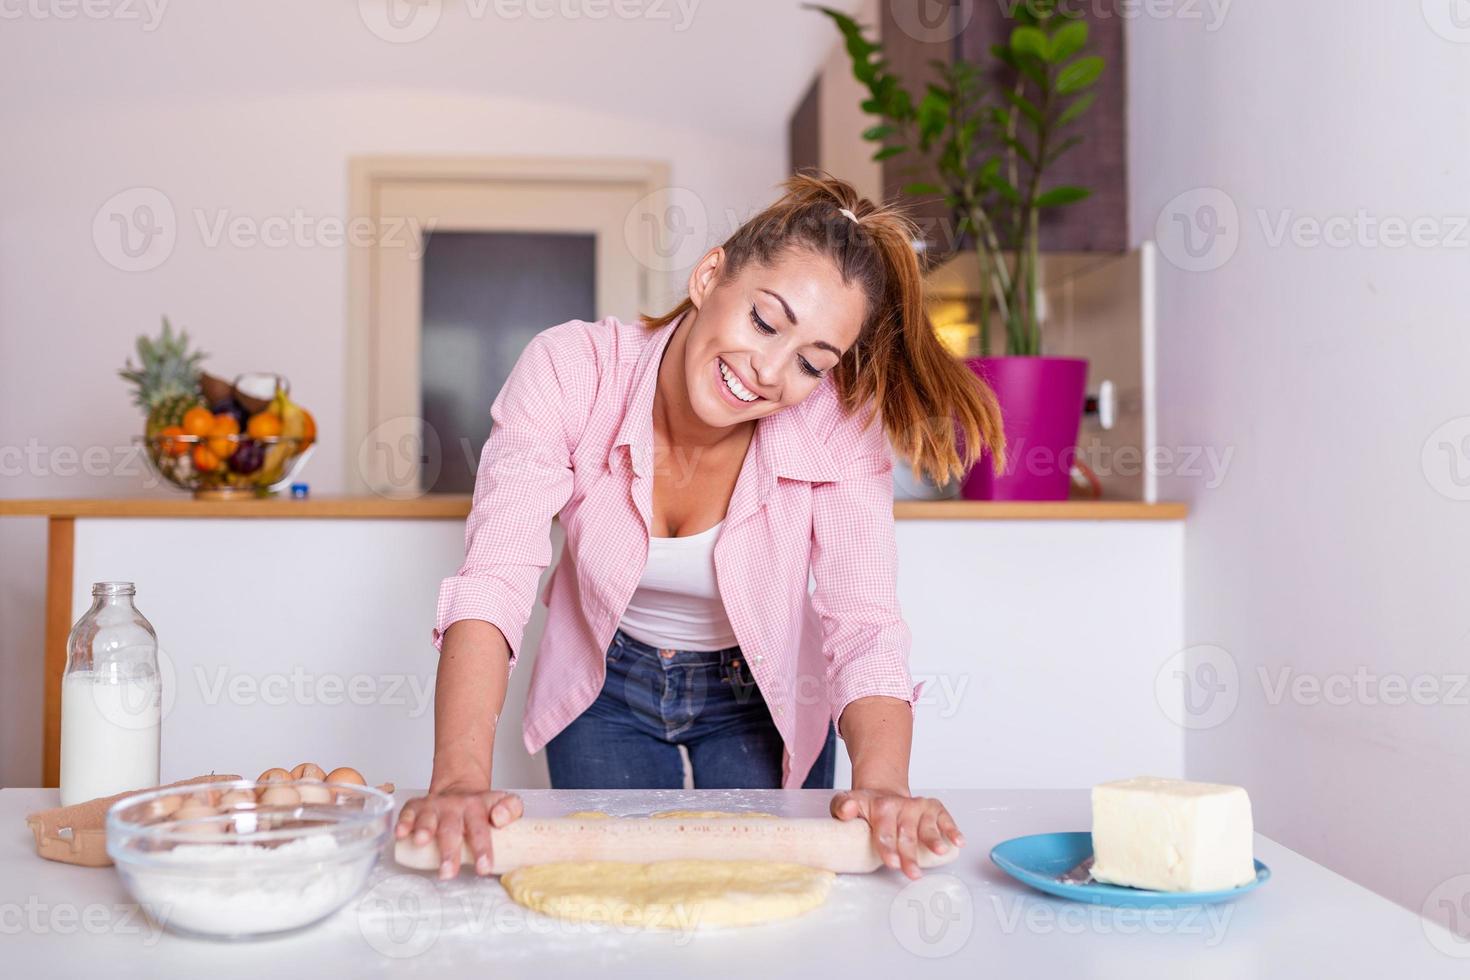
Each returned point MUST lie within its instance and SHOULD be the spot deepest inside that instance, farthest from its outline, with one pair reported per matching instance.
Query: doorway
(464, 261)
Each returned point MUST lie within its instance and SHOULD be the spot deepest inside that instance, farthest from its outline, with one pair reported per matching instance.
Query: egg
(280, 796)
(237, 797)
(164, 806)
(346, 774)
(308, 770)
(314, 793)
(195, 810)
(273, 776)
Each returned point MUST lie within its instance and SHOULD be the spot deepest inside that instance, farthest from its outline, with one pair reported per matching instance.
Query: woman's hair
(938, 414)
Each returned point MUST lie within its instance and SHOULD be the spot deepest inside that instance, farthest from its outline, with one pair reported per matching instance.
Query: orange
(171, 446)
(204, 460)
(222, 426)
(197, 421)
(308, 434)
(263, 425)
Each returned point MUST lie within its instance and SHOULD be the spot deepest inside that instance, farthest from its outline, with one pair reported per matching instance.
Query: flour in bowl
(248, 889)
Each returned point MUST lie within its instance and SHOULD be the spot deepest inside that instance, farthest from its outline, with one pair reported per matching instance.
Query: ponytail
(938, 414)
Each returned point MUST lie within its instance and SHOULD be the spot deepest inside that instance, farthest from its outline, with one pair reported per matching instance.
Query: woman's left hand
(899, 823)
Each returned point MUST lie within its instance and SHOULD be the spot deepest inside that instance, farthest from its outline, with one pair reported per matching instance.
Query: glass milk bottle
(111, 699)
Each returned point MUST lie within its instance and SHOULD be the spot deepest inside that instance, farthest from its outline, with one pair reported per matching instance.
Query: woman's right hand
(457, 813)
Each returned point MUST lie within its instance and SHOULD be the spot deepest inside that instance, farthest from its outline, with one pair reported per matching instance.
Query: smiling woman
(761, 388)
(826, 284)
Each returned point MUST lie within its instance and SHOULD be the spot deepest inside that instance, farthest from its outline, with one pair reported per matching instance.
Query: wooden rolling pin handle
(843, 846)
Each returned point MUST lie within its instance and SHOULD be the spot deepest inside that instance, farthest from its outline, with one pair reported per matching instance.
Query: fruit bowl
(215, 437)
(222, 466)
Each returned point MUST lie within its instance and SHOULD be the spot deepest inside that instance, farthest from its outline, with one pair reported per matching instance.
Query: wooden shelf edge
(457, 507)
(1039, 510)
(427, 507)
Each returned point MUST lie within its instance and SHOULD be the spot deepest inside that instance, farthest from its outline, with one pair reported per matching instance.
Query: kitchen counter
(965, 920)
(457, 506)
(282, 617)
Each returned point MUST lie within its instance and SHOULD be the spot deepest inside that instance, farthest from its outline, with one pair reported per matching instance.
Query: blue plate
(1041, 859)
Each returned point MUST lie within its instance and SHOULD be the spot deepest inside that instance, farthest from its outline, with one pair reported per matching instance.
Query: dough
(682, 895)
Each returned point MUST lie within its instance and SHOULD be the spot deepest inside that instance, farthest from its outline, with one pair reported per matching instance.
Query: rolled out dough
(681, 895)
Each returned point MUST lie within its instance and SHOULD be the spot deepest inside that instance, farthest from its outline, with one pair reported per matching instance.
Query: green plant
(990, 144)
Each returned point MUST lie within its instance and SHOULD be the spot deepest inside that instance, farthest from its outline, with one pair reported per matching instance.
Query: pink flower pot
(1041, 401)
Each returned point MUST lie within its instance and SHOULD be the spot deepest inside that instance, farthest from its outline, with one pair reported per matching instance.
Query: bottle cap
(300, 490)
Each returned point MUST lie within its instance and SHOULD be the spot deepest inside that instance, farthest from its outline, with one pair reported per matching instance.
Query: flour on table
(711, 814)
(674, 814)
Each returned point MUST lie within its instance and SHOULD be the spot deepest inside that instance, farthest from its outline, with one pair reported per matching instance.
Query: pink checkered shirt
(573, 435)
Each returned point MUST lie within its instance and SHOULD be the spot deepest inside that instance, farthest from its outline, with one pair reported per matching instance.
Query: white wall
(1333, 547)
(251, 111)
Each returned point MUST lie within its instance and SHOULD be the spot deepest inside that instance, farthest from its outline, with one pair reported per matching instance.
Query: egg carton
(77, 834)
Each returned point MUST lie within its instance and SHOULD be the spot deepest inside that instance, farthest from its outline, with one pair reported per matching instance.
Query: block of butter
(1172, 835)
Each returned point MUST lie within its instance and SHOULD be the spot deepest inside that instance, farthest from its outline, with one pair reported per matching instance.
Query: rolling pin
(843, 846)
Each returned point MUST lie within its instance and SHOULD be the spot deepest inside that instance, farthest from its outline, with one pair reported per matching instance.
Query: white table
(966, 920)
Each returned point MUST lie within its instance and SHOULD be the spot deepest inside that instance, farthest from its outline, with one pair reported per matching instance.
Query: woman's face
(765, 340)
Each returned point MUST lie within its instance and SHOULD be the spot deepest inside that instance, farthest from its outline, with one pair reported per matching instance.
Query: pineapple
(167, 380)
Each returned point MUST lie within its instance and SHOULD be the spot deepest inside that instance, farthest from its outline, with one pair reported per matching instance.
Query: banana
(279, 454)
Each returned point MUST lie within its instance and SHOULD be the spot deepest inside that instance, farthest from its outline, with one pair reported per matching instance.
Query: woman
(703, 464)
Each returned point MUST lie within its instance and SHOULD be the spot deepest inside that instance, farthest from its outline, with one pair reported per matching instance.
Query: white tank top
(677, 603)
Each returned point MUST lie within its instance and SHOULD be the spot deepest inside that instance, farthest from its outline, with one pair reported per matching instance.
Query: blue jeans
(655, 700)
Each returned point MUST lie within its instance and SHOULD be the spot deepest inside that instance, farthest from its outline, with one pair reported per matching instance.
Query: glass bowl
(230, 860)
(239, 466)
